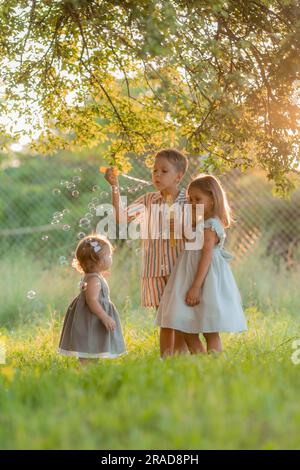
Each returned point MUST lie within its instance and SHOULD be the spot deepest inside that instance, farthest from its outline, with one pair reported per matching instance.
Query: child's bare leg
(166, 342)
(194, 343)
(84, 361)
(180, 346)
(213, 342)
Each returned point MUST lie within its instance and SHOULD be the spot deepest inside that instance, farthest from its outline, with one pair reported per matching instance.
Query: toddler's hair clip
(96, 246)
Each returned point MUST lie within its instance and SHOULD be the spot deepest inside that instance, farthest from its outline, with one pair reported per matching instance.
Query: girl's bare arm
(92, 296)
(194, 293)
(210, 239)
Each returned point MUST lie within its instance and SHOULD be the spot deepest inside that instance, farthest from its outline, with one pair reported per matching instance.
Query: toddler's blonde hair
(88, 254)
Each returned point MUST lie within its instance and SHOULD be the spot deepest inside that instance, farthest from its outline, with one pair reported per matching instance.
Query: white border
(88, 355)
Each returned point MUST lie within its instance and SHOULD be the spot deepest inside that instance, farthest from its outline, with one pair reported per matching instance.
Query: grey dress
(84, 335)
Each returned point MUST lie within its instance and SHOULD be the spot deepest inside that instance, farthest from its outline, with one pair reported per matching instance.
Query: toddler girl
(92, 326)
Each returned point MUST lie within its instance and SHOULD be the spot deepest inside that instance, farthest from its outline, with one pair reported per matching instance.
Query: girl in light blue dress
(201, 295)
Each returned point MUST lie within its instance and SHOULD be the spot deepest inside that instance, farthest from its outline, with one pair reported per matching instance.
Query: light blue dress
(220, 308)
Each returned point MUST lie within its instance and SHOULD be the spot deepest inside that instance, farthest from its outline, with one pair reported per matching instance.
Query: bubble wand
(116, 172)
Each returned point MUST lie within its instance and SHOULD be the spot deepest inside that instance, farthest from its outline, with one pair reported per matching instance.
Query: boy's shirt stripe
(158, 256)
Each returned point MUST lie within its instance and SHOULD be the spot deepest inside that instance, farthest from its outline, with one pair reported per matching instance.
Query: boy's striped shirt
(158, 256)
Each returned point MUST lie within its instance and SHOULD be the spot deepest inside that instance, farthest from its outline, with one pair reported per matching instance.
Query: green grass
(248, 397)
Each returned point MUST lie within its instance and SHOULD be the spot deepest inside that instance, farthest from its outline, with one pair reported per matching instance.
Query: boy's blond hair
(176, 158)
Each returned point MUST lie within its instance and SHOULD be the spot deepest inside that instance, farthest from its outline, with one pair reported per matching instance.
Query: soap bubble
(66, 227)
(91, 207)
(45, 238)
(63, 182)
(77, 170)
(56, 218)
(95, 188)
(95, 200)
(31, 294)
(80, 235)
(88, 215)
(84, 222)
(63, 260)
(66, 211)
(75, 193)
(71, 186)
(76, 179)
(56, 191)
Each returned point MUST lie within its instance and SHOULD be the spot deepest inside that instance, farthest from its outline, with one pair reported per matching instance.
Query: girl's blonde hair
(89, 253)
(210, 185)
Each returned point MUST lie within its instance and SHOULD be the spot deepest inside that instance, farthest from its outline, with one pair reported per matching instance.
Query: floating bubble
(96, 188)
(71, 186)
(91, 207)
(80, 235)
(66, 211)
(63, 260)
(66, 227)
(77, 170)
(63, 182)
(31, 294)
(95, 200)
(58, 215)
(56, 220)
(76, 179)
(56, 191)
(75, 193)
(84, 222)
(45, 238)
(88, 215)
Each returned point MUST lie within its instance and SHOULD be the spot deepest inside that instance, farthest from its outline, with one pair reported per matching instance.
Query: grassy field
(248, 397)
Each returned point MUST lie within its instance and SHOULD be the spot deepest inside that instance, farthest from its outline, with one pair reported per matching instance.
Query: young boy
(159, 254)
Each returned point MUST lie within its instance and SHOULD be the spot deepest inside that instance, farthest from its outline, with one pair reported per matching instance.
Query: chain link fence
(48, 203)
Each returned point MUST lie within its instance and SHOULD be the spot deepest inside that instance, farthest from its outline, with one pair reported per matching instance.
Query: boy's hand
(109, 323)
(111, 177)
(193, 296)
